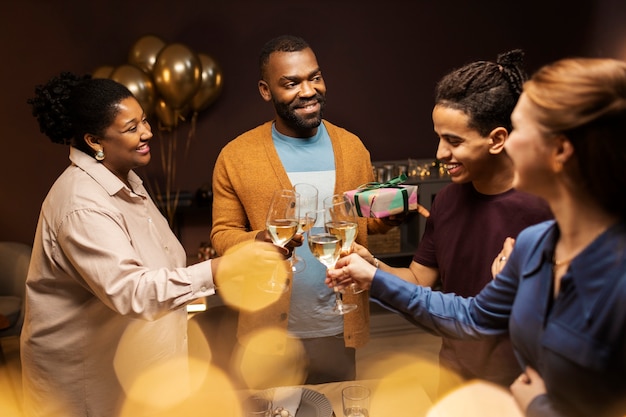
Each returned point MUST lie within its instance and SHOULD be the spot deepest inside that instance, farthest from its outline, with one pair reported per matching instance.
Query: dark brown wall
(380, 62)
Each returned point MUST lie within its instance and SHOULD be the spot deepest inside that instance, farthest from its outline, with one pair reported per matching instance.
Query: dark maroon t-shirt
(462, 237)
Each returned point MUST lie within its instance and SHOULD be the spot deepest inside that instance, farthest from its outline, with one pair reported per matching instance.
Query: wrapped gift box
(383, 200)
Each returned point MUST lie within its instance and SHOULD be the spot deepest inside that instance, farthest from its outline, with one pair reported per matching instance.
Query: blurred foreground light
(270, 358)
(207, 392)
(245, 278)
(402, 377)
(477, 399)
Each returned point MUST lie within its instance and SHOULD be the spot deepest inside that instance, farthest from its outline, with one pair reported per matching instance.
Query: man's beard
(286, 112)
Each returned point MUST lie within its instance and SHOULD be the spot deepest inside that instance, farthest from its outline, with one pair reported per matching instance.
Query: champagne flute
(307, 202)
(282, 225)
(326, 248)
(341, 219)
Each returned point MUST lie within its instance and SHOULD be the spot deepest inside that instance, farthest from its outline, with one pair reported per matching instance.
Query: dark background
(380, 61)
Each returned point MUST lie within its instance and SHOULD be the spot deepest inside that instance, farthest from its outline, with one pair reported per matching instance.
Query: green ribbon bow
(392, 183)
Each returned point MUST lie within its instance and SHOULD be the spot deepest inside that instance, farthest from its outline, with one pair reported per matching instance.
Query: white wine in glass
(305, 224)
(282, 225)
(346, 230)
(307, 201)
(282, 230)
(326, 248)
(341, 219)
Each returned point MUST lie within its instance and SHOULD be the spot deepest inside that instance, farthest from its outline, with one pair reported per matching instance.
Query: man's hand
(296, 241)
(363, 252)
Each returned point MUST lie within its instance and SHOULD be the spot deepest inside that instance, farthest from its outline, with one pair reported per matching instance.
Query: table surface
(405, 397)
(389, 397)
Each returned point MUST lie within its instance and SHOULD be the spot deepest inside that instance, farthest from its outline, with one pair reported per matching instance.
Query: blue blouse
(577, 342)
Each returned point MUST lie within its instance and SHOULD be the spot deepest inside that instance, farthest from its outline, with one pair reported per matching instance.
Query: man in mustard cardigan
(298, 146)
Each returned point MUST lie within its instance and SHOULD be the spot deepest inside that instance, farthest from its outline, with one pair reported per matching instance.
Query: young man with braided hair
(471, 218)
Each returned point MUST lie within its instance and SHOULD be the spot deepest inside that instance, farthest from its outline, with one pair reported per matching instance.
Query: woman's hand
(349, 269)
(526, 387)
(503, 256)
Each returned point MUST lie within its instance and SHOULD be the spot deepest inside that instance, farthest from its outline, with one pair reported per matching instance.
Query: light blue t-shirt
(310, 160)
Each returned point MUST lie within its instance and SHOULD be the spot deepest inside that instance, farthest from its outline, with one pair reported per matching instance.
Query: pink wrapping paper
(377, 200)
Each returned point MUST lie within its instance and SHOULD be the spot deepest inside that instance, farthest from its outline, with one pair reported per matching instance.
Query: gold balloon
(102, 72)
(211, 84)
(168, 117)
(144, 52)
(177, 74)
(138, 82)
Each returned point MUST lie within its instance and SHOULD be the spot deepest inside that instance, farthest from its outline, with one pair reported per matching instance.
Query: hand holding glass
(341, 219)
(326, 248)
(307, 201)
(282, 225)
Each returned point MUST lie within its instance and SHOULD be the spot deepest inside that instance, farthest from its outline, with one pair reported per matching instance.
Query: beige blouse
(105, 294)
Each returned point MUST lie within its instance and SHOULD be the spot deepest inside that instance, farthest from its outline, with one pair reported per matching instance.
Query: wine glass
(326, 248)
(282, 225)
(306, 202)
(341, 219)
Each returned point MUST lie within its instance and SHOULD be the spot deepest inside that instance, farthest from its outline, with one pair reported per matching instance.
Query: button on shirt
(105, 293)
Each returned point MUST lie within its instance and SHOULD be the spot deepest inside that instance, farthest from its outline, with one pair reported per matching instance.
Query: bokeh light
(477, 399)
(243, 280)
(270, 358)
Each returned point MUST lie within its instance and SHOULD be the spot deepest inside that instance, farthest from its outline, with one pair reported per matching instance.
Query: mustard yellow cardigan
(247, 171)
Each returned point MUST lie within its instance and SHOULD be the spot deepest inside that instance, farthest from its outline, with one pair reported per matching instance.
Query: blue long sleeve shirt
(576, 341)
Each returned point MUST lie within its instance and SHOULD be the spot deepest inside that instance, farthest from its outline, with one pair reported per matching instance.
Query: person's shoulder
(250, 137)
(254, 133)
(76, 190)
(454, 190)
(531, 205)
(338, 131)
(521, 195)
(533, 240)
(348, 143)
(449, 197)
(536, 231)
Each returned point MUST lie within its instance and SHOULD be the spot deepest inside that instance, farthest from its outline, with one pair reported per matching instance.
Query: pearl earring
(100, 155)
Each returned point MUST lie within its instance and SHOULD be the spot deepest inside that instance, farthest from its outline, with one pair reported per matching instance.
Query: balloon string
(192, 133)
(168, 200)
(163, 153)
(168, 145)
(171, 177)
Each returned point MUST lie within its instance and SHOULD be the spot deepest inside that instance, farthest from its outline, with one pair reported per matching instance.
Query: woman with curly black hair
(108, 282)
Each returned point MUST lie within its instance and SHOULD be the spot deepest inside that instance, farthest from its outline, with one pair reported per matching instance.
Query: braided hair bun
(511, 63)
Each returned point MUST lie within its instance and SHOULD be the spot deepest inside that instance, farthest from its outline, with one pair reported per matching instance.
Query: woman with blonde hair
(562, 293)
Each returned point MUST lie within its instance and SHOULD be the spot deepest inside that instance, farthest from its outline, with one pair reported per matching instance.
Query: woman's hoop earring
(100, 155)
